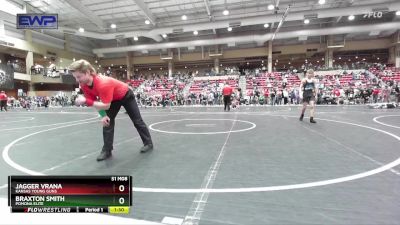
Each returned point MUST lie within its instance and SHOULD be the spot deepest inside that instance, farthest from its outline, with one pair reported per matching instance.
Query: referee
(227, 92)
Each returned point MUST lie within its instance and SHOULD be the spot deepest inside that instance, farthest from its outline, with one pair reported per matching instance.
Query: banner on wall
(37, 21)
(6, 76)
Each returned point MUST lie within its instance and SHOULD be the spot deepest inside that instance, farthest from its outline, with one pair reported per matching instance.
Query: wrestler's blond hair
(82, 66)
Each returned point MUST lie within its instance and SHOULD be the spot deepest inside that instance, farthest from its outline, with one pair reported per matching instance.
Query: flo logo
(37, 21)
(377, 14)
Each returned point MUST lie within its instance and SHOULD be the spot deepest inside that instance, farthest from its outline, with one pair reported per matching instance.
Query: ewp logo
(37, 21)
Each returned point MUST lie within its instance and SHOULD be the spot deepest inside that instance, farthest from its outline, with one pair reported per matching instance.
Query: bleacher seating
(135, 83)
(200, 85)
(388, 74)
(268, 80)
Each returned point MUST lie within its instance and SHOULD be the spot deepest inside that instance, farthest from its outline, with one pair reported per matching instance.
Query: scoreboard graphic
(70, 194)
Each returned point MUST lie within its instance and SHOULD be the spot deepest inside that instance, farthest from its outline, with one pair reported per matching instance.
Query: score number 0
(121, 188)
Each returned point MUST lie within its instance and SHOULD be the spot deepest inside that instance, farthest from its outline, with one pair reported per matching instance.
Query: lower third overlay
(70, 194)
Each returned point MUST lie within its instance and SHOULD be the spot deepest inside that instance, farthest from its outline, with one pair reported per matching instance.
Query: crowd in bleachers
(159, 90)
(34, 102)
(368, 86)
(338, 66)
(377, 84)
(208, 92)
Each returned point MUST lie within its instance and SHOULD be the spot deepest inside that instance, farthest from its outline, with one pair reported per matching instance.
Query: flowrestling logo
(37, 21)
